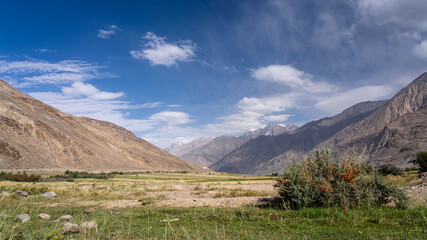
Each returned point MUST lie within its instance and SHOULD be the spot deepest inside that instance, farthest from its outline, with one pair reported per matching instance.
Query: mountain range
(36, 136)
(207, 151)
(382, 132)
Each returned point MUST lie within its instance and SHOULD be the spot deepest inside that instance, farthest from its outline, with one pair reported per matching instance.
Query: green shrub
(422, 161)
(19, 177)
(319, 182)
(390, 170)
(77, 174)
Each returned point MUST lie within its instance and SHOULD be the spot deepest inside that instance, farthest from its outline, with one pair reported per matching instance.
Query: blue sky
(177, 70)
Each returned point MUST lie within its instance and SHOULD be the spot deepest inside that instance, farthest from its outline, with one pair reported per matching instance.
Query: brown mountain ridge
(383, 132)
(36, 136)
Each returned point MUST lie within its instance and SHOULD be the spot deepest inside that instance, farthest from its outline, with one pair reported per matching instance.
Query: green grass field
(139, 202)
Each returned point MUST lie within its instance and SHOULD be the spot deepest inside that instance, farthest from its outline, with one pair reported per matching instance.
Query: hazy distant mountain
(206, 151)
(35, 136)
(384, 132)
(179, 149)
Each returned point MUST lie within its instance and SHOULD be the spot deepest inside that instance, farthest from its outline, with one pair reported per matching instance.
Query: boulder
(21, 193)
(23, 218)
(44, 216)
(50, 194)
(88, 225)
(5, 194)
(65, 218)
(89, 210)
(70, 228)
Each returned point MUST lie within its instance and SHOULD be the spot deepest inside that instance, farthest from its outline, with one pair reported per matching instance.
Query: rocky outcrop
(393, 134)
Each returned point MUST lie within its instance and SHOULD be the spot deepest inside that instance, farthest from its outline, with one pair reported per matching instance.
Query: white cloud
(172, 118)
(255, 113)
(158, 52)
(337, 103)
(78, 89)
(288, 75)
(106, 34)
(282, 74)
(277, 118)
(421, 49)
(33, 72)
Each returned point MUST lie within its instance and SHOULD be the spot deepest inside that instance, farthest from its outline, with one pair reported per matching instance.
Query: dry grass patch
(239, 192)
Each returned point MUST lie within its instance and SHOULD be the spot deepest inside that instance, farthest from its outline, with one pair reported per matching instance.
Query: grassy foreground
(220, 223)
(150, 221)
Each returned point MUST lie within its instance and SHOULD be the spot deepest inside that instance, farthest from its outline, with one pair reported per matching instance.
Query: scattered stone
(21, 193)
(5, 194)
(70, 228)
(195, 200)
(23, 218)
(50, 194)
(115, 212)
(89, 210)
(44, 216)
(108, 188)
(170, 220)
(89, 225)
(65, 218)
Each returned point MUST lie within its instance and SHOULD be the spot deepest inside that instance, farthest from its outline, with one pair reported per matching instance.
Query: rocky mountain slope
(385, 132)
(35, 136)
(253, 155)
(208, 151)
(394, 133)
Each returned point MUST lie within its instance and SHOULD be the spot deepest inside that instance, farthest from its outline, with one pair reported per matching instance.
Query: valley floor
(194, 206)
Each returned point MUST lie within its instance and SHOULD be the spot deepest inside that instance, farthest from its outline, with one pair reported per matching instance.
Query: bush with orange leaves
(318, 181)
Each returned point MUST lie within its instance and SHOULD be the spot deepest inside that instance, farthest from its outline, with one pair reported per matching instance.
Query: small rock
(195, 200)
(65, 218)
(113, 212)
(44, 216)
(89, 210)
(108, 188)
(50, 194)
(21, 193)
(5, 194)
(170, 220)
(70, 228)
(23, 218)
(89, 225)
